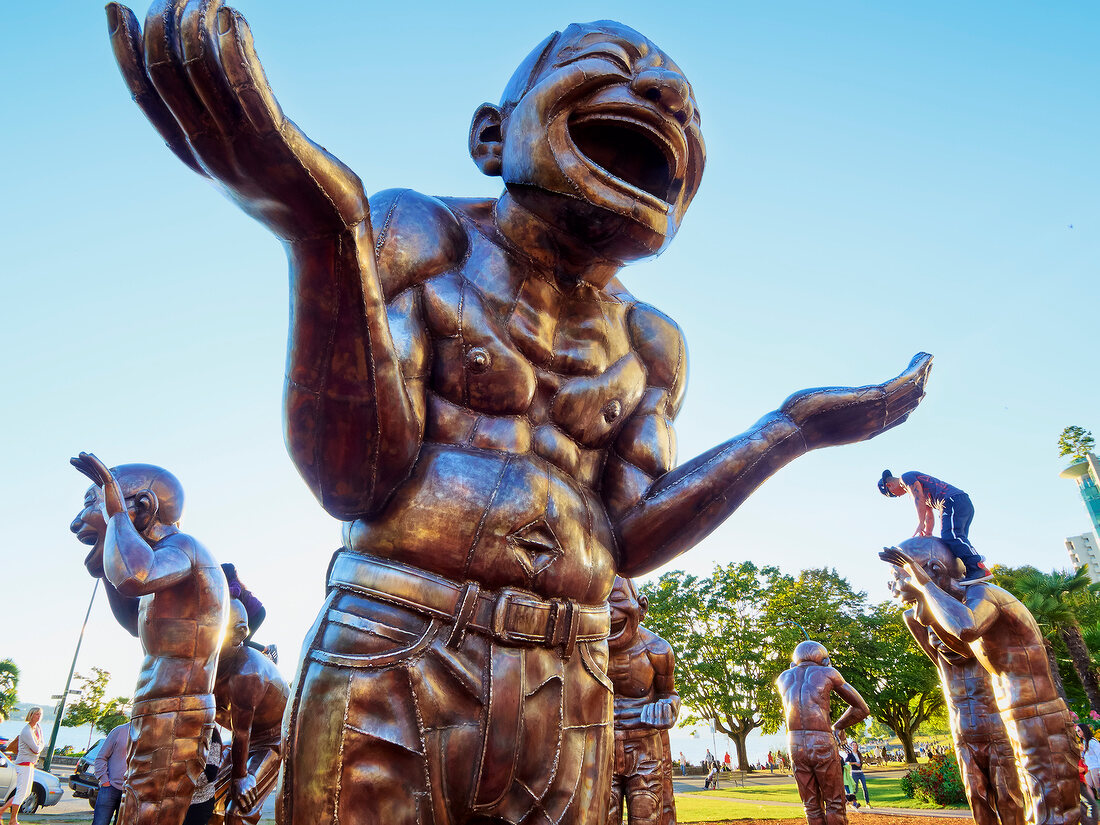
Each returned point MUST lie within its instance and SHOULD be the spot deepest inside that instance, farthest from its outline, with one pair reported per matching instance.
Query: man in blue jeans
(956, 513)
(110, 772)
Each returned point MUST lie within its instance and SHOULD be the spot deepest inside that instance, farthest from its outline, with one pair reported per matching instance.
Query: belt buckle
(504, 598)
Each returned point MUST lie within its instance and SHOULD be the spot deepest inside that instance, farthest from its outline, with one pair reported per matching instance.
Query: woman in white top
(30, 742)
(1090, 752)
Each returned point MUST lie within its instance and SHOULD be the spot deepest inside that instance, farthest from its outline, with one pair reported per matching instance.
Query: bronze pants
(390, 724)
(819, 775)
(991, 782)
(1047, 760)
(642, 775)
(164, 758)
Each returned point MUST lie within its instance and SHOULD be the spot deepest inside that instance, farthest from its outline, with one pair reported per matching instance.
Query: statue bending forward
(473, 392)
(984, 750)
(990, 624)
(646, 706)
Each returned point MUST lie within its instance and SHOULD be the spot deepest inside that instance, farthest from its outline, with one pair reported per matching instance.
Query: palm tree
(1051, 599)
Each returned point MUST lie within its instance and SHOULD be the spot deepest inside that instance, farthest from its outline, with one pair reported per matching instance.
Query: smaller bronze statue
(641, 668)
(251, 696)
(130, 518)
(990, 624)
(984, 751)
(806, 688)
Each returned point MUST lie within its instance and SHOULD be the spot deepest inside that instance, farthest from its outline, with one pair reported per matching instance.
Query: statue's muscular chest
(507, 343)
(631, 671)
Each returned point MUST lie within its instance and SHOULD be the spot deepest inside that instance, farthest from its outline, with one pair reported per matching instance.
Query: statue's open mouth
(618, 623)
(630, 150)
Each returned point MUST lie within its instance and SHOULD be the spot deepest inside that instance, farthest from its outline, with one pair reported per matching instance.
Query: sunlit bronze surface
(251, 696)
(130, 519)
(990, 624)
(984, 751)
(806, 689)
(484, 405)
(646, 706)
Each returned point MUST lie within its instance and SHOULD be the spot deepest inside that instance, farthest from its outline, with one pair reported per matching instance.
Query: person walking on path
(956, 513)
(110, 773)
(1090, 752)
(683, 765)
(854, 758)
(28, 746)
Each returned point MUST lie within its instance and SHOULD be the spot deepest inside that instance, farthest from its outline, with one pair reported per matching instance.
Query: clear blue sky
(881, 179)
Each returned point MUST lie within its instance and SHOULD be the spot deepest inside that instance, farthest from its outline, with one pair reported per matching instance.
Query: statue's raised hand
(830, 416)
(195, 74)
(113, 500)
(899, 558)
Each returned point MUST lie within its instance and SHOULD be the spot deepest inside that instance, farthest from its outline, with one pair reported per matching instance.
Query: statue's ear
(486, 140)
(146, 507)
(643, 603)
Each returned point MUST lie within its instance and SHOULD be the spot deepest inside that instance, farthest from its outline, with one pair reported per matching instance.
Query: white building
(1085, 550)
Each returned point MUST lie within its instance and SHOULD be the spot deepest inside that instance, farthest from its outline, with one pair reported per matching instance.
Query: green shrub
(938, 781)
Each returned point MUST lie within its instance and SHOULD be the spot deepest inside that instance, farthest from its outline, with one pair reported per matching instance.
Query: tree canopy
(1075, 442)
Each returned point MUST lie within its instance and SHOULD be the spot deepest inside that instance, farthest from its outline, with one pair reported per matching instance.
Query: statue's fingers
(164, 62)
(202, 62)
(126, 42)
(246, 74)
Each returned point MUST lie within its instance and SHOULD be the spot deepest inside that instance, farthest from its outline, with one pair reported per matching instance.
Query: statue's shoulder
(654, 644)
(415, 237)
(660, 344)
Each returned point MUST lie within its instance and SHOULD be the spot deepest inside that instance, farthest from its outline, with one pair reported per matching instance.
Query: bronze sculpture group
(475, 395)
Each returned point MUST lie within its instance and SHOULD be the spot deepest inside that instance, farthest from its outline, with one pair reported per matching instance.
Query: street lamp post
(68, 683)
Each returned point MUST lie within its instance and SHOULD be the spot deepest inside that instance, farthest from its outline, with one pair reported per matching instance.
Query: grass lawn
(885, 793)
(694, 807)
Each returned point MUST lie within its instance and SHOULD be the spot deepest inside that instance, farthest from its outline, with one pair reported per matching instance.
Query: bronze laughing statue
(251, 696)
(806, 688)
(990, 624)
(646, 706)
(130, 518)
(485, 407)
(986, 762)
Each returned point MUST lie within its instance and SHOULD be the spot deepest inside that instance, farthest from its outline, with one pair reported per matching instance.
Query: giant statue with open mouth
(475, 395)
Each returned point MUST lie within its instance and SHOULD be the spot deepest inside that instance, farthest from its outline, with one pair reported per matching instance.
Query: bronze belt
(509, 615)
(1031, 711)
(172, 704)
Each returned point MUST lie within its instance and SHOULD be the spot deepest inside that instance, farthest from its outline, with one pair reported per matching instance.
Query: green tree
(898, 681)
(116, 712)
(1075, 442)
(724, 665)
(9, 682)
(91, 706)
(1053, 600)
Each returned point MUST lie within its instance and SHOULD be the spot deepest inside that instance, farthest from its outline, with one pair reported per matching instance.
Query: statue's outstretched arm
(683, 505)
(857, 709)
(350, 426)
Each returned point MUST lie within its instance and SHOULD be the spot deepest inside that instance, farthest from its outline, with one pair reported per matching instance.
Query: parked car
(45, 787)
(83, 782)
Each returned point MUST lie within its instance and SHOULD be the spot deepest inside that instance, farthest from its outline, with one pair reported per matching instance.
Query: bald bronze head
(628, 608)
(810, 652)
(598, 134)
(153, 497)
(236, 626)
(938, 561)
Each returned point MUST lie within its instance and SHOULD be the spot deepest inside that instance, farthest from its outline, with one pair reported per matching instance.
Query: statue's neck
(550, 249)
